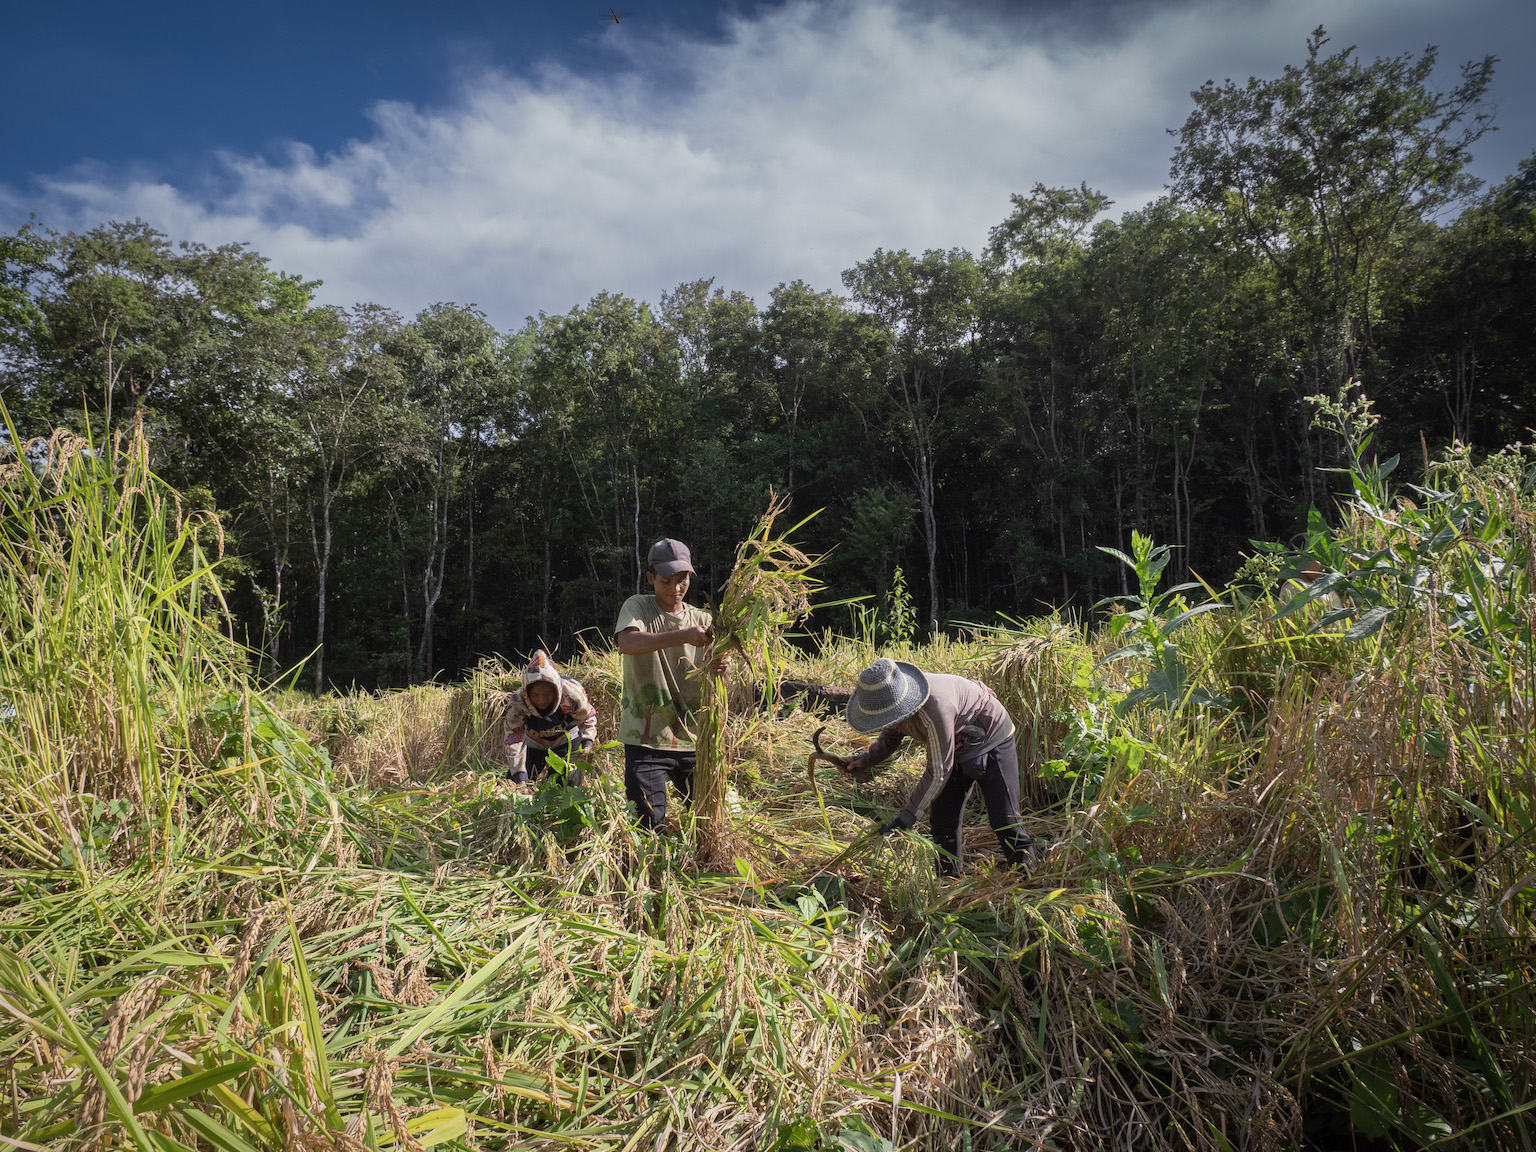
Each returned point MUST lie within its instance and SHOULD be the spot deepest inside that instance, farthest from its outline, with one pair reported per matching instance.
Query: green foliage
(1325, 914)
(899, 614)
(111, 615)
(402, 496)
(1465, 551)
(1148, 623)
(247, 920)
(1331, 149)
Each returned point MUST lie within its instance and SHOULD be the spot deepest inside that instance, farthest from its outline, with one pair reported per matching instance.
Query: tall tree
(450, 357)
(1326, 170)
(597, 386)
(927, 307)
(340, 397)
(125, 314)
(1042, 325)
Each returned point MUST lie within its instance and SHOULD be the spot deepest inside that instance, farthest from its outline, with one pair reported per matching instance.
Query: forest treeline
(400, 496)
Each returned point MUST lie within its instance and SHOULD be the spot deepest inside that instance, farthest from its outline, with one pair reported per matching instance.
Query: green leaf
(467, 988)
(1369, 624)
(162, 1095)
(1373, 1105)
(803, 1135)
(1184, 618)
(214, 1132)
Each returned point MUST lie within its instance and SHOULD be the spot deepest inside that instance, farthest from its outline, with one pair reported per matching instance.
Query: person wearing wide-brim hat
(968, 736)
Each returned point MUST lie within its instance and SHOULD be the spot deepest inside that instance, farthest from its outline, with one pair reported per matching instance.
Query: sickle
(838, 762)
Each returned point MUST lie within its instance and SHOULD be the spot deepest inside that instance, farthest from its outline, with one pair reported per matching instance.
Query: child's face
(669, 590)
(541, 694)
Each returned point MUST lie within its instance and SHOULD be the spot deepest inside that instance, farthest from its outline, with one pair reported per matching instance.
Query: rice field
(1286, 899)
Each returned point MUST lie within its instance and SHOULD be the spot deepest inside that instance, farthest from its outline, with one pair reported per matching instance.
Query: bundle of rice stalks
(475, 710)
(1040, 670)
(769, 589)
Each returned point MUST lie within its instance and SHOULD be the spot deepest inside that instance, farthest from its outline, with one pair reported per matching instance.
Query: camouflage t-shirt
(660, 697)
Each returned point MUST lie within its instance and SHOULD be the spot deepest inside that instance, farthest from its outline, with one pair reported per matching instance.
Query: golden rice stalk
(769, 589)
(1040, 671)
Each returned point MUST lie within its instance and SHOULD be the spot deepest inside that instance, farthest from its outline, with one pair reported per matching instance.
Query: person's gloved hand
(897, 823)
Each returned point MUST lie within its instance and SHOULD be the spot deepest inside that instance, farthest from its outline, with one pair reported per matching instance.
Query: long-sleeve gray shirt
(961, 721)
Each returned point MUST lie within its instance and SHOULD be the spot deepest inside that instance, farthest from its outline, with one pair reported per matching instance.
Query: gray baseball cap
(669, 557)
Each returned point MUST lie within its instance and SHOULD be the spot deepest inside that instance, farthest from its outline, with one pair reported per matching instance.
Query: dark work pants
(646, 772)
(998, 774)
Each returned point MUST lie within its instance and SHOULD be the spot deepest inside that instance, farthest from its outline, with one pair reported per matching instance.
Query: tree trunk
(404, 612)
(544, 609)
(931, 531)
(1178, 514)
(436, 569)
(474, 448)
(322, 549)
(639, 561)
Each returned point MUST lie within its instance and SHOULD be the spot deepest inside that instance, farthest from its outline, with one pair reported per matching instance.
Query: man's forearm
(886, 745)
(634, 642)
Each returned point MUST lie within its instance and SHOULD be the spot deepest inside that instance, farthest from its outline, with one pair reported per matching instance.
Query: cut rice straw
(769, 589)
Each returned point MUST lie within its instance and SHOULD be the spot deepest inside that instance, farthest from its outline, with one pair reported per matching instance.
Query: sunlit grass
(240, 920)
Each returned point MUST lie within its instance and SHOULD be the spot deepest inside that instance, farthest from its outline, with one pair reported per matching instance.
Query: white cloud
(797, 144)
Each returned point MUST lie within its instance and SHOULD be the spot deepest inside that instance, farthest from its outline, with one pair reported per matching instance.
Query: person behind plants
(550, 713)
(663, 641)
(968, 736)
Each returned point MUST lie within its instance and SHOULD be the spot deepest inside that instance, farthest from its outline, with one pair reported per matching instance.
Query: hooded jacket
(571, 718)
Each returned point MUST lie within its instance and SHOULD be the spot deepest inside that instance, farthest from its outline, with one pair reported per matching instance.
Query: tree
(597, 385)
(23, 259)
(126, 314)
(1167, 275)
(451, 361)
(1326, 170)
(1460, 320)
(1041, 325)
(339, 397)
(927, 308)
(801, 329)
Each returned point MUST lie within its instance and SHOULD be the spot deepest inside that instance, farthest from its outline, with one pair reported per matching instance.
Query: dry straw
(769, 589)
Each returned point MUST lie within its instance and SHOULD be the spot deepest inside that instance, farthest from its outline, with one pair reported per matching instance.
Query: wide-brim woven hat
(886, 693)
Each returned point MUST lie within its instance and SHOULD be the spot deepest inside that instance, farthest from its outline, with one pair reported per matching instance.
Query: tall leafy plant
(1146, 628)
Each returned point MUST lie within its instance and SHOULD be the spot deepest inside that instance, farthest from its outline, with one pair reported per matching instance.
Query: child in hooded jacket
(550, 713)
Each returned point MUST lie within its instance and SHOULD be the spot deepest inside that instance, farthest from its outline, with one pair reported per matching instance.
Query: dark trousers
(536, 763)
(998, 774)
(646, 772)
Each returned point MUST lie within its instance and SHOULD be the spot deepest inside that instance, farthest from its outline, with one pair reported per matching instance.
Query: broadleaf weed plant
(1146, 627)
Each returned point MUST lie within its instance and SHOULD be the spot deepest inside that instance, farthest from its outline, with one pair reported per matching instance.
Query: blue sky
(166, 84)
(524, 157)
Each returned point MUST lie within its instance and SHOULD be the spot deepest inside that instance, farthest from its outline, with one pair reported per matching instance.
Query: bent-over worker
(968, 737)
(550, 713)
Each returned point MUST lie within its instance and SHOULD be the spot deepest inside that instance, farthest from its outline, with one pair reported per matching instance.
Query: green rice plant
(111, 641)
(770, 587)
(1306, 923)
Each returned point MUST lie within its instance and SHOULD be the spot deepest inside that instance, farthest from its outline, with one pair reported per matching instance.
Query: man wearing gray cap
(663, 641)
(968, 737)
